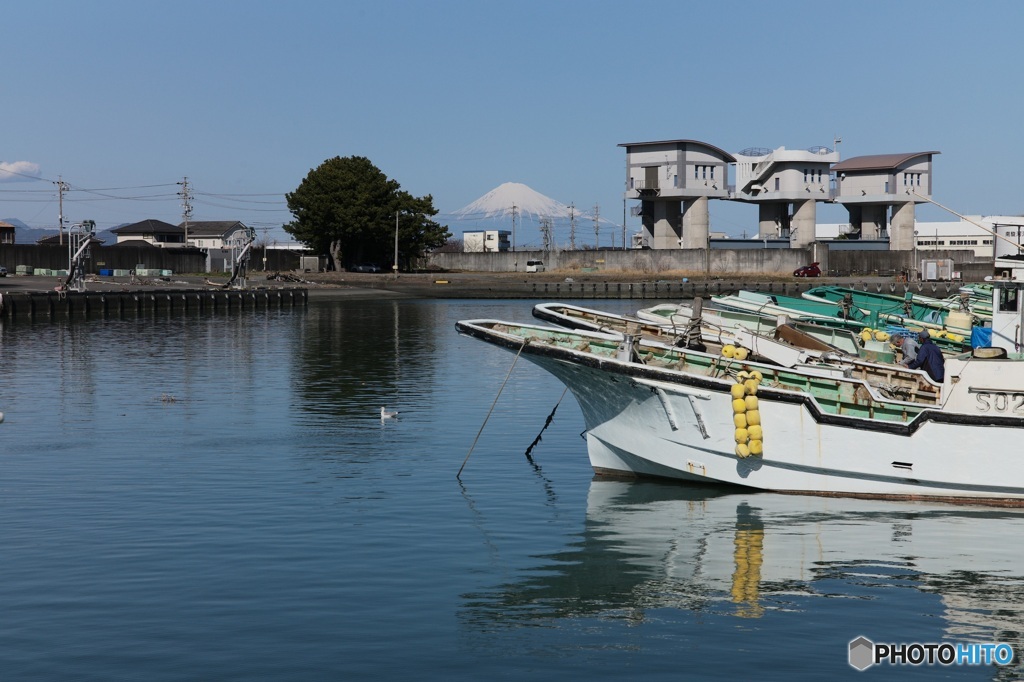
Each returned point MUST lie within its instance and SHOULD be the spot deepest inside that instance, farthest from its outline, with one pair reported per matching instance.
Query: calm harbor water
(214, 497)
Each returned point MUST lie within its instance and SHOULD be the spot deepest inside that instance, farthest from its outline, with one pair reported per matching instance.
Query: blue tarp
(981, 337)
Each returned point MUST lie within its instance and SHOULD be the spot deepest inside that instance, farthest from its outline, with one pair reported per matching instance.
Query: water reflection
(647, 546)
(356, 354)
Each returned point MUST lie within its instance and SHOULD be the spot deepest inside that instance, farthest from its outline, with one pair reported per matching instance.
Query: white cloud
(18, 171)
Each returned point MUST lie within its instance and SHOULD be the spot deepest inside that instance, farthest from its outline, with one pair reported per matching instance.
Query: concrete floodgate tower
(880, 192)
(674, 179)
(777, 179)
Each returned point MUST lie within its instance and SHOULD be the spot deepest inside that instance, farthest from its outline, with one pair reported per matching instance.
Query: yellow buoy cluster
(867, 334)
(943, 334)
(746, 416)
(735, 352)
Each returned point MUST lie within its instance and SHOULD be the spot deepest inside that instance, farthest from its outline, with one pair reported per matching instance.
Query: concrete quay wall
(658, 290)
(765, 261)
(54, 305)
(714, 262)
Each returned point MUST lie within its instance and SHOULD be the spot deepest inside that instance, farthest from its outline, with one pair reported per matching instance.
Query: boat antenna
(965, 218)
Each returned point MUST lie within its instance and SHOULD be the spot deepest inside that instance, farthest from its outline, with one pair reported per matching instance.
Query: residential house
(6, 233)
(218, 238)
(154, 232)
(215, 234)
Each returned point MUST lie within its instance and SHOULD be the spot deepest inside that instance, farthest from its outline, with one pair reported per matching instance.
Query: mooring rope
(547, 423)
(459, 475)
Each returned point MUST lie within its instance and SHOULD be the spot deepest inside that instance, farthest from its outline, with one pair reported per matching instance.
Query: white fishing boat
(680, 314)
(781, 341)
(835, 335)
(654, 409)
(572, 316)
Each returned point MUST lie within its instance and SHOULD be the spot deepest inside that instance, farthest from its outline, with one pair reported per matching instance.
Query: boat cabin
(1007, 308)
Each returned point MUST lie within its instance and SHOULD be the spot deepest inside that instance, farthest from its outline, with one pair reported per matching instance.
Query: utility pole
(623, 224)
(545, 231)
(572, 227)
(186, 205)
(513, 227)
(597, 225)
(61, 188)
(265, 230)
(515, 263)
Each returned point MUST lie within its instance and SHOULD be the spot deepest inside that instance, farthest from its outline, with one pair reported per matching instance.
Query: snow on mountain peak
(528, 202)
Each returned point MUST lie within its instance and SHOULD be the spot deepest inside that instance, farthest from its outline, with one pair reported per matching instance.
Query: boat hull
(643, 426)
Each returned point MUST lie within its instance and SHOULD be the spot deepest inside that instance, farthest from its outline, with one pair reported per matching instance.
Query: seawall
(54, 304)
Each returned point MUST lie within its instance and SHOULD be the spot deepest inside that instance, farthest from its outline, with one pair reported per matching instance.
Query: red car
(811, 270)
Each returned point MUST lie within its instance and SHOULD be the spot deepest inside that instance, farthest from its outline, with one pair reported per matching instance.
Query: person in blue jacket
(929, 358)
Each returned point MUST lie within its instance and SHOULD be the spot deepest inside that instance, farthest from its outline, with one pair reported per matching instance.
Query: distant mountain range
(23, 234)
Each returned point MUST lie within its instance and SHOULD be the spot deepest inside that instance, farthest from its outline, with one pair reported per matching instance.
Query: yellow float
(746, 415)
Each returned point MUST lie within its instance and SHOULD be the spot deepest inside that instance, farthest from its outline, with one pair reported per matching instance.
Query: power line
(227, 197)
(147, 197)
(262, 210)
(23, 175)
(221, 195)
(118, 189)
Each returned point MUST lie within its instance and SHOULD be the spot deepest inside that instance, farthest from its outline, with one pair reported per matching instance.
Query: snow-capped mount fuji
(533, 211)
(529, 204)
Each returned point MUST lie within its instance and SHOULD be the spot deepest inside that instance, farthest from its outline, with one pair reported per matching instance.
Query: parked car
(3, 271)
(365, 267)
(535, 266)
(811, 270)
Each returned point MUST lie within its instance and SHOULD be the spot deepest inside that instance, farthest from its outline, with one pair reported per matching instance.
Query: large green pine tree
(346, 208)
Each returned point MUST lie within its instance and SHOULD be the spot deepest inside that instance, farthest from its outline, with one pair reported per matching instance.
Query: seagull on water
(385, 414)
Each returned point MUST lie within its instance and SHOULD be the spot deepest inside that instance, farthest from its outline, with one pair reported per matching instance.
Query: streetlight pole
(913, 268)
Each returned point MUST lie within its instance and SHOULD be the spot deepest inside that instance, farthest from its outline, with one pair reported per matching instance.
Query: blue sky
(453, 98)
